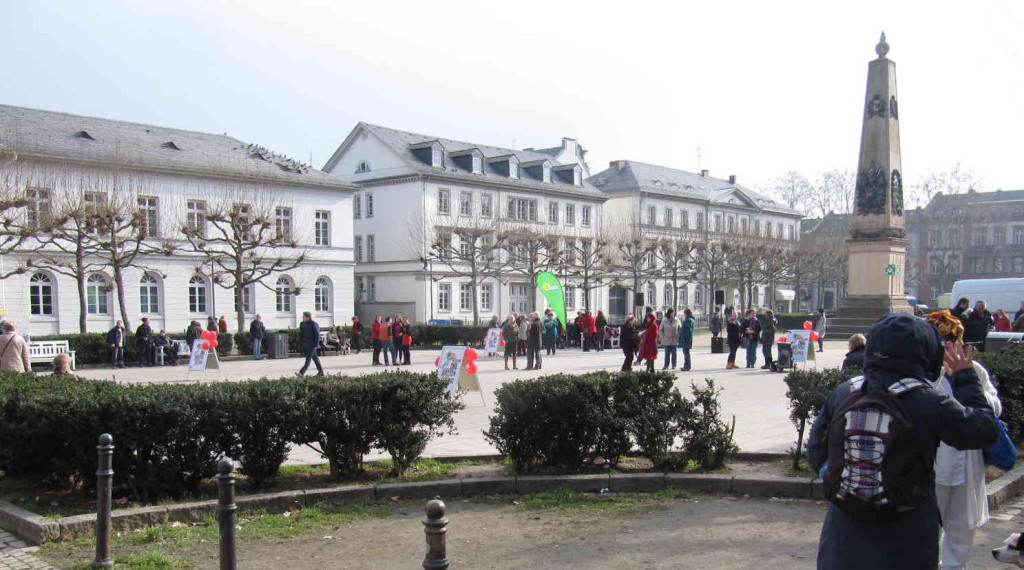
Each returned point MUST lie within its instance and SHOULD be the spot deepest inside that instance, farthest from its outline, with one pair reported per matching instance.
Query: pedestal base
(859, 312)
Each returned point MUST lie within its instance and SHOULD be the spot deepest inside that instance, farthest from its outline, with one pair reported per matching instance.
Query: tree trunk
(799, 443)
(119, 285)
(239, 306)
(82, 308)
(476, 302)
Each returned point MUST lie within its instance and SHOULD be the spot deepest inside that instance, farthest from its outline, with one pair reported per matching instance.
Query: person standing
(257, 330)
(976, 326)
(649, 342)
(524, 328)
(550, 332)
(855, 357)
(1003, 323)
(602, 330)
(493, 324)
(668, 337)
(13, 349)
(211, 323)
(357, 335)
(396, 339)
(375, 340)
(406, 347)
(751, 333)
(387, 341)
(309, 340)
(716, 324)
(733, 334)
(143, 336)
(628, 341)
(1019, 313)
(533, 334)
(768, 328)
(510, 334)
(960, 310)
(222, 324)
(115, 340)
(686, 337)
(194, 331)
(821, 327)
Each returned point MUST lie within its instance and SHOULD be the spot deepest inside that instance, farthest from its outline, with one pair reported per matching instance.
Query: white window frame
(97, 295)
(465, 297)
(652, 215)
(283, 222)
(486, 205)
(371, 248)
(322, 294)
(552, 212)
(357, 206)
(369, 205)
(41, 294)
(149, 294)
(444, 201)
(322, 227)
(197, 295)
(585, 216)
(465, 203)
(570, 214)
(197, 216)
(444, 296)
(149, 206)
(284, 295)
(667, 217)
(486, 297)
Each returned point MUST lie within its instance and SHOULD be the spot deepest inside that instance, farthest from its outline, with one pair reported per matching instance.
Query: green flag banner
(553, 292)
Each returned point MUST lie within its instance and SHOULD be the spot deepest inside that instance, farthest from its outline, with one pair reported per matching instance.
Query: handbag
(1002, 453)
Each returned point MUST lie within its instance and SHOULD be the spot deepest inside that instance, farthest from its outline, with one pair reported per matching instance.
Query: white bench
(47, 350)
(183, 350)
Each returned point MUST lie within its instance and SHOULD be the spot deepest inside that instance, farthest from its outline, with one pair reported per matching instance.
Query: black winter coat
(733, 331)
(627, 337)
(854, 359)
(977, 325)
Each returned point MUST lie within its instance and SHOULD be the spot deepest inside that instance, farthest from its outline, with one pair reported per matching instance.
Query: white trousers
(957, 534)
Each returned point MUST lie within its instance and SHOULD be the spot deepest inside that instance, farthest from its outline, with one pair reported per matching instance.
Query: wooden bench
(183, 350)
(47, 350)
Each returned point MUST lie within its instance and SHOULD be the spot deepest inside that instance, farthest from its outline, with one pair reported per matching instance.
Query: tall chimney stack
(732, 179)
(704, 173)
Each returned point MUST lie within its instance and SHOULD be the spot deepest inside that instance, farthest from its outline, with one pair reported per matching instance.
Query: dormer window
(513, 167)
(478, 164)
(577, 177)
(546, 172)
(84, 135)
(437, 158)
(170, 145)
(538, 170)
(469, 159)
(430, 153)
(569, 174)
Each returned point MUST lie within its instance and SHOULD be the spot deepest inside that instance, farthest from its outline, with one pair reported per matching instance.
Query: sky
(754, 89)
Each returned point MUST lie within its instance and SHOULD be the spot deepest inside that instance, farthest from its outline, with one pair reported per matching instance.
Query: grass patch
(148, 561)
(802, 470)
(589, 503)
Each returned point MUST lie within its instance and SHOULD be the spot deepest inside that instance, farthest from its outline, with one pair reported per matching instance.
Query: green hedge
(1007, 370)
(91, 348)
(570, 421)
(169, 437)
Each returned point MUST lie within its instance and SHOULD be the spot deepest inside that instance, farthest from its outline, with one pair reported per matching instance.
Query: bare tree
(794, 189)
(632, 255)
(675, 254)
(475, 256)
(712, 257)
(956, 180)
(528, 252)
(16, 181)
(585, 260)
(244, 241)
(743, 266)
(833, 193)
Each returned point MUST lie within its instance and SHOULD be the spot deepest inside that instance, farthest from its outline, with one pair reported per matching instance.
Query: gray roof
(636, 177)
(62, 136)
(941, 199)
(400, 142)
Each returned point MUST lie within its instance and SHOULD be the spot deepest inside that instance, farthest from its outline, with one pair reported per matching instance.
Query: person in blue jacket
(309, 340)
(686, 338)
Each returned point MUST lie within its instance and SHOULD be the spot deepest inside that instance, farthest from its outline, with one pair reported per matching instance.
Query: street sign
(892, 269)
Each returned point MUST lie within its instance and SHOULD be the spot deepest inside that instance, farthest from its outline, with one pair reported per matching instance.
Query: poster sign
(801, 341)
(449, 366)
(493, 339)
(199, 358)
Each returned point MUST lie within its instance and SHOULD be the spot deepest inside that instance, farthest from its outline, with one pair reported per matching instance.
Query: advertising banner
(552, 290)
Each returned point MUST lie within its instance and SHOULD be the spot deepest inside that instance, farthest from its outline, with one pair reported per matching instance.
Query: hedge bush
(168, 437)
(1007, 371)
(807, 391)
(570, 421)
(91, 348)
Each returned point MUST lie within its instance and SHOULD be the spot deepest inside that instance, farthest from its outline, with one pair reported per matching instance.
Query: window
(546, 172)
(522, 209)
(322, 295)
(790, 232)
(444, 244)
(649, 259)
(999, 235)
(684, 219)
(652, 294)
(778, 229)
(700, 220)
(465, 204)
(322, 228)
(570, 251)
(444, 202)
(667, 297)
(585, 249)
(465, 247)
(149, 295)
(437, 157)
(997, 265)
(954, 237)
(465, 297)
(1018, 235)
(767, 229)
(570, 297)
(979, 236)
(682, 296)
(668, 217)
(552, 212)
(652, 214)
(359, 249)
(513, 168)
(363, 167)
(487, 247)
(487, 205)
(242, 214)
(757, 227)
(149, 224)
(283, 223)
(698, 296)
(570, 215)
(40, 294)
(357, 206)
(96, 295)
(744, 226)
(246, 300)
(934, 266)
(283, 295)
(371, 288)
(38, 210)
(444, 296)
(197, 295)
(577, 177)
(1018, 265)
(478, 164)
(978, 264)
(369, 204)
(197, 216)
(371, 248)
(585, 216)
(360, 290)
(731, 223)
(718, 222)
(486, 297)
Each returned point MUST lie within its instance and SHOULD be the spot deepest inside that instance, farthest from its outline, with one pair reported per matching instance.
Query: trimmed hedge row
(1007, 370)
(168, 437)
(571, 420)
(91, 348)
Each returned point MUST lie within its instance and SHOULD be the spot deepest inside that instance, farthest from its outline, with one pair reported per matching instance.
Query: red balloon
(214, 343)
(808, 325)
(472, 354)
(815, 336)
(472, 368)
(437, 361)
(501, 334)
(206, 345)
(783, 339)
(501, 343)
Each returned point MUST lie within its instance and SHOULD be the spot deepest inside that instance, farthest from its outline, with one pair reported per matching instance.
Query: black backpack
(875, 466)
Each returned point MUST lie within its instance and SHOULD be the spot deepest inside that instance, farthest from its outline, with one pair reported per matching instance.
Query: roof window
(170, 145)
(84, 135)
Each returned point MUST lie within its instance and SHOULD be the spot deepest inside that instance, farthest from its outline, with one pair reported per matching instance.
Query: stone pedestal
(872, 293)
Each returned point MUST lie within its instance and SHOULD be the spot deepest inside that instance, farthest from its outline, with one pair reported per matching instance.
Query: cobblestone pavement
(16, 555)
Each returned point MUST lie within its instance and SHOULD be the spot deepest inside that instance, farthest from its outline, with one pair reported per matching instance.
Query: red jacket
(375, 331)
(649, 345)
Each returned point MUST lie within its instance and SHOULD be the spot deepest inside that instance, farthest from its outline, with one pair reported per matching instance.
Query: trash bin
(717, 344)
(277, 345)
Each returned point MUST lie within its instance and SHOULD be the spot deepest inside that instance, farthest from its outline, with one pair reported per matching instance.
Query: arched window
(149, 294)
(197, 295)
(40, 294)
(284, 295)
(683, 297)
(96, 294)
(322, 295)
(667, 301)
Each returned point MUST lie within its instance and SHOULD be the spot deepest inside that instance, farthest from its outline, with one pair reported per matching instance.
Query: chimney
(704, 173)
(732, 179)
(617, 164)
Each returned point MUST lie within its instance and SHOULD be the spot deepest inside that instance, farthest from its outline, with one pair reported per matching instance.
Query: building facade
(169, 179)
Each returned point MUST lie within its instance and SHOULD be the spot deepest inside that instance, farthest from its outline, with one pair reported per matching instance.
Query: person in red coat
(649, 344)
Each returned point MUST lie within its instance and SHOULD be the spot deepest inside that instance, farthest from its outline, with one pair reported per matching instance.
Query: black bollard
(226, 513)
(104, 481)
(436, 527)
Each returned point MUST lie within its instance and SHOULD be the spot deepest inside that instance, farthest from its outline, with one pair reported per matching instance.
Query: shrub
(707, 440)
(417, 409)
(263, 418)
(807, 391)
(1007, 371)
(652, 410)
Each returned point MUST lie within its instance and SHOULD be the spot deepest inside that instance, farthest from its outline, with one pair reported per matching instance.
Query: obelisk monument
(877, 245)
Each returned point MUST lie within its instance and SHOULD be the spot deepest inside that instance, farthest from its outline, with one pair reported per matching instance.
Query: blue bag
(1002, 453)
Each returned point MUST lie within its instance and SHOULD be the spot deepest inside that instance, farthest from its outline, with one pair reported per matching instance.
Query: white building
(174, 177)
(413, 184)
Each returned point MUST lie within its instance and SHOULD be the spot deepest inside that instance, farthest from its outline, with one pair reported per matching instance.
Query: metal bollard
(226, 513)
(436, 527)
(104, 482)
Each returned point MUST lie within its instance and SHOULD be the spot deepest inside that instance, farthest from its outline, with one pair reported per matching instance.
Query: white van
(1005, 294)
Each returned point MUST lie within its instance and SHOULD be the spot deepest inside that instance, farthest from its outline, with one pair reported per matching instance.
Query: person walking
(977, 324)
(733, 335)
(375, 340)
(602, 330)
(309, 340)
(143, 338)
(257, 330)
(751, 333)
(1002, 322)
(628, 341)
(222, 324)
(510, 333)
(115, 341)
(357, 335)
(768, 327)
(716, 324)
(524, 327)
(686, 337)
(550, 332)
(902, 349)
(821, 327)
(533, 334)
(649, 342)
(668, 337)
(13, 349)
